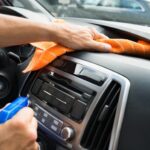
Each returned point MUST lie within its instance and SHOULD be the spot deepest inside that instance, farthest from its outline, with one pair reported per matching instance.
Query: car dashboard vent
(98, 131)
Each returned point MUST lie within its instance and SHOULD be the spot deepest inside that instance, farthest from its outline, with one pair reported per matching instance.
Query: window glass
(136, 11)
(130, 4)
(133, 4)
(28, 4)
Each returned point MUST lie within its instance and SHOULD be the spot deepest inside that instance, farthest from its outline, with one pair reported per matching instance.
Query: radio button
(64, 105)
(36, 86)
(78, 110)
(43, 120)
(86, 96)
(51, 120)
(55, 128)
(46, 96)
(58, 123)
(45, 115)
(37, 111)
(64, 108)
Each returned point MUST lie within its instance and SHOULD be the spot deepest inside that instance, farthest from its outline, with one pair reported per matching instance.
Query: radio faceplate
(73, 103)
(65, 94)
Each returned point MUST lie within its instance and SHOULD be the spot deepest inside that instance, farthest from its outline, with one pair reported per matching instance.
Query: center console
(77, 103)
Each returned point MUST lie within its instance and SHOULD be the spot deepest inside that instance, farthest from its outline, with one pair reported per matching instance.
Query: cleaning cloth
(46, 52)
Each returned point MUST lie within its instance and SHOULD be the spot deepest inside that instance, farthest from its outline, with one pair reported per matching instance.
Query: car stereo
(65, 94)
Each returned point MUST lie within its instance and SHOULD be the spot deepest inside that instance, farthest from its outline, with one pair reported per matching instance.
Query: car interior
(83, 100)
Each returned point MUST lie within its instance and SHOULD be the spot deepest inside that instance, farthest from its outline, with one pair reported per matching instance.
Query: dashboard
(75, 99)
(90, 100)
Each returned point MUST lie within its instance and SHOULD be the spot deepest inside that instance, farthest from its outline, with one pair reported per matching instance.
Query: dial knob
(67, 133)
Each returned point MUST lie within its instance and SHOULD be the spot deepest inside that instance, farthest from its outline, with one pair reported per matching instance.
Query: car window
(31, 5)
(25, 4)
(131, 11)
(130, 4)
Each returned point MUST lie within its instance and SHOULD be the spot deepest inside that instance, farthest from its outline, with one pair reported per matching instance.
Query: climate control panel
(52, 123)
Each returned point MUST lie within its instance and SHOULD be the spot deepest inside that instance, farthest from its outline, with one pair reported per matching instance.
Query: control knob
(67, 133)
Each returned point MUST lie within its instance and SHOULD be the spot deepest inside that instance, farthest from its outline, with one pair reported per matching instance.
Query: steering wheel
(8, 78)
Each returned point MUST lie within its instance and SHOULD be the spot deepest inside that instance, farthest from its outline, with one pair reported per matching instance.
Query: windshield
(130, 11)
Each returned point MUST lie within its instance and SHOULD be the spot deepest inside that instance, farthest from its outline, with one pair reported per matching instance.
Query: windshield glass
(131, 11)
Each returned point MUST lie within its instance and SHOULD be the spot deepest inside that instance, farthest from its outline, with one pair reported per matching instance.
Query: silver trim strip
(119, 117)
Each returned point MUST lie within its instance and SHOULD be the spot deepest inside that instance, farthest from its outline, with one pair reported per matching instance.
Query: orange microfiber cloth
(46, 52)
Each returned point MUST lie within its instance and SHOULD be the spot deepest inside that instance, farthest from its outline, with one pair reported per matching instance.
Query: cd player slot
(81, 71)
(65, 82)
(71, 88)
(60, 83)
(77, 87)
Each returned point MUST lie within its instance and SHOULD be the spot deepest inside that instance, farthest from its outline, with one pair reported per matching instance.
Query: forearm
(15, 31)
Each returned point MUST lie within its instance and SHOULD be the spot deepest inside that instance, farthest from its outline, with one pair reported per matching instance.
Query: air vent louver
(98, 131)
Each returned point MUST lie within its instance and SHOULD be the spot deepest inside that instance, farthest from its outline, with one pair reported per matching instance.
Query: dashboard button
(57, 123)
(78, 110)
(65, 102)
(45, 115)
(61, 105)
(64, 105)
(48, 121)
(56, 98)
(36, 86)
(54, 128)
(46, 96)
(43, 120)
(86, 96)
(37, 112)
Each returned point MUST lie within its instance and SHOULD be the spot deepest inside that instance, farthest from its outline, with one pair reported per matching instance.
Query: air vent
(98, 131)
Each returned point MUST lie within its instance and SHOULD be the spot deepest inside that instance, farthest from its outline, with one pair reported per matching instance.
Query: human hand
(20, 132)
(78, 37)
